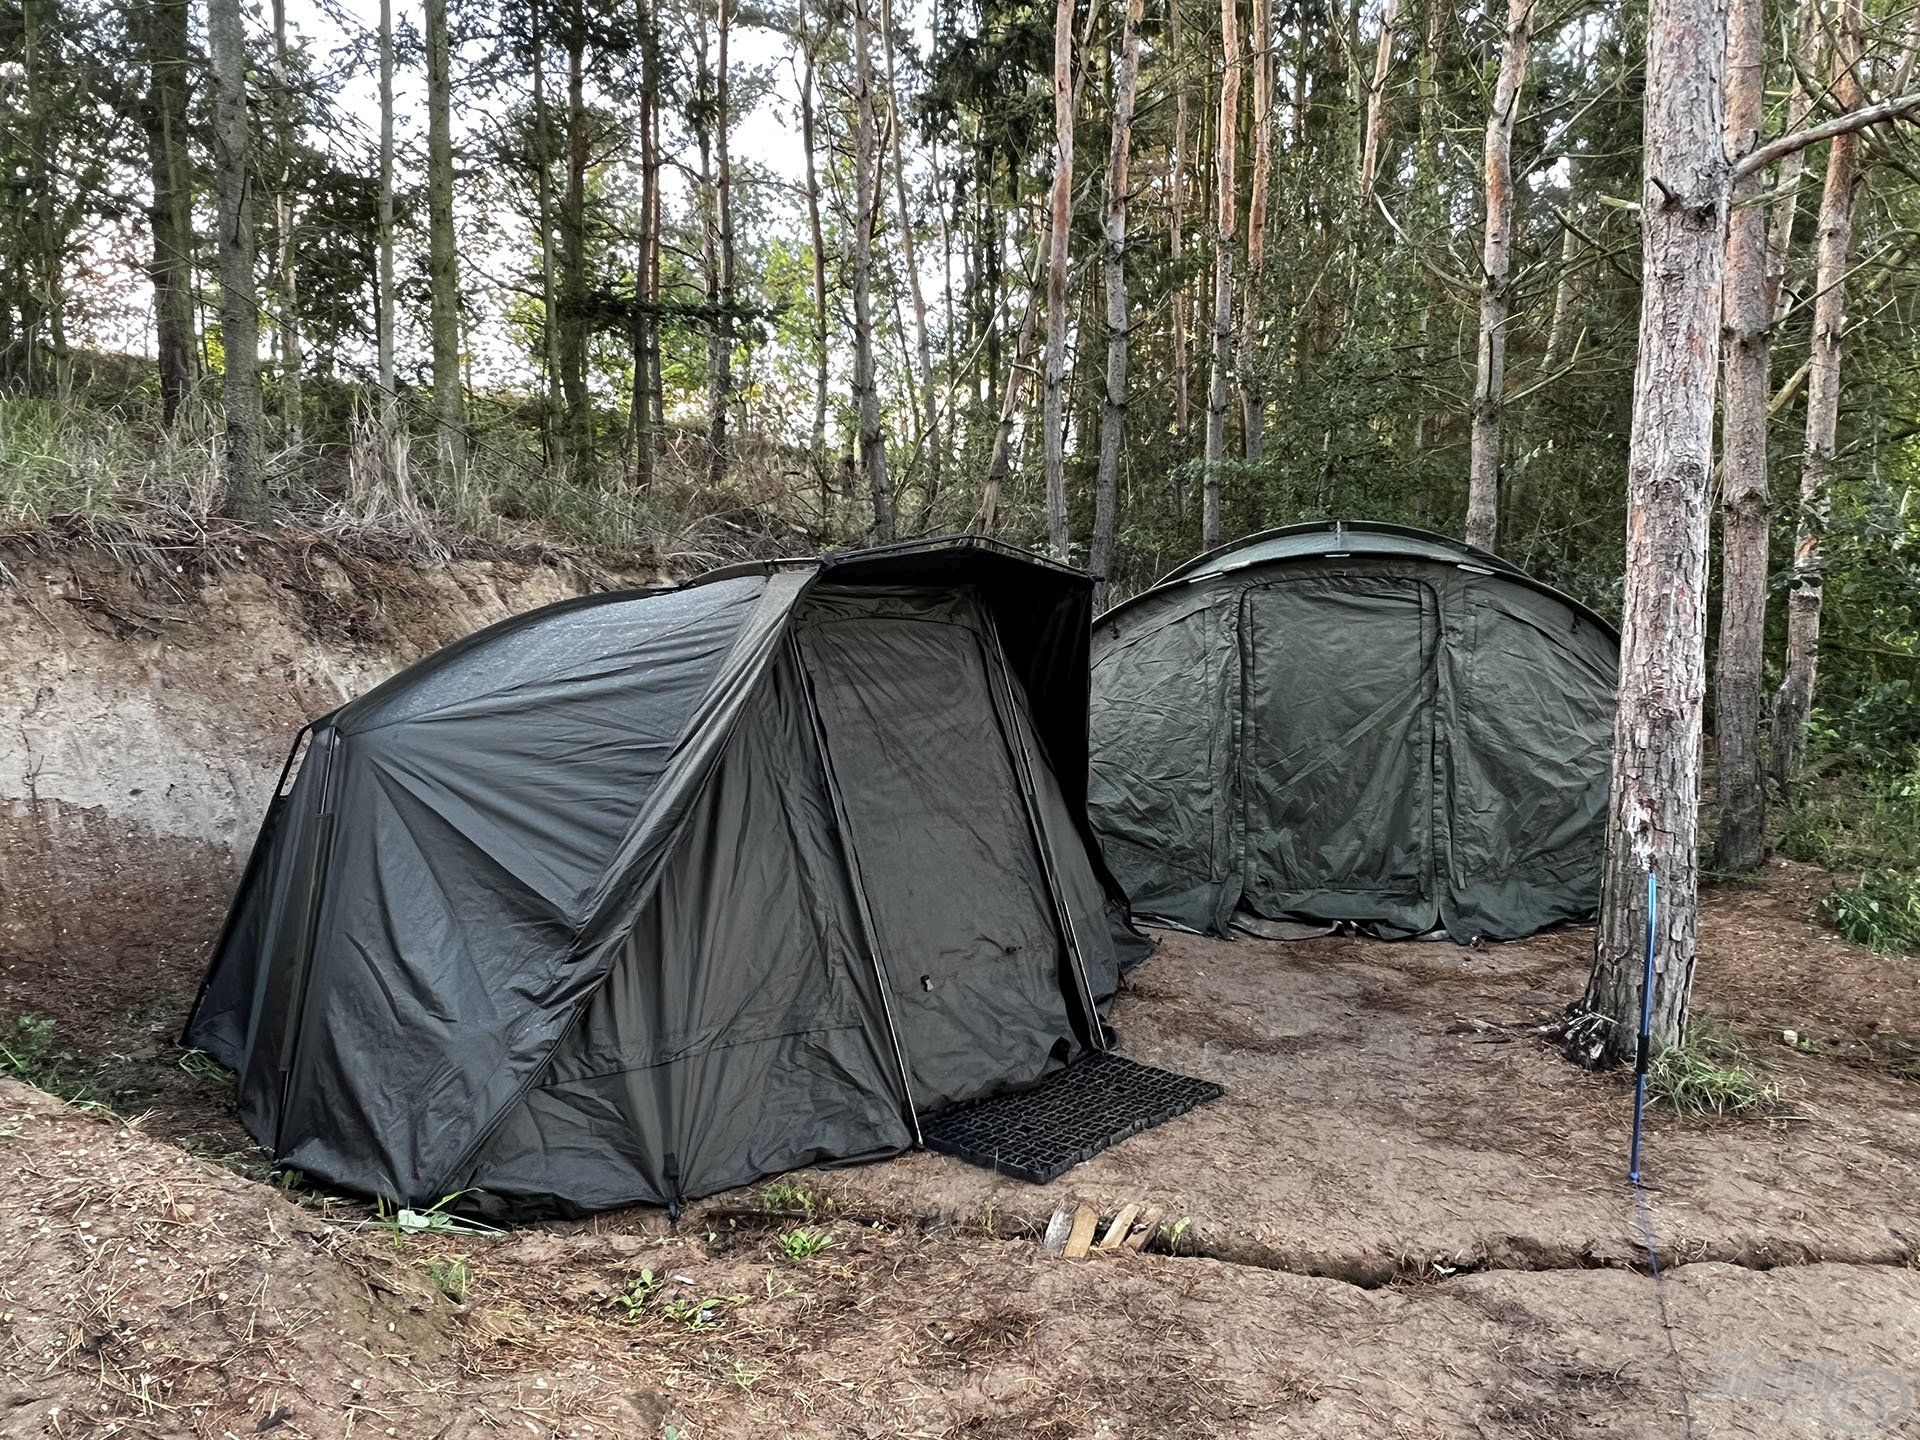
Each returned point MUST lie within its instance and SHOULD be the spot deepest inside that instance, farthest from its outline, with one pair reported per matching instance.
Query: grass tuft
(1711, 1072)
(27, 1053)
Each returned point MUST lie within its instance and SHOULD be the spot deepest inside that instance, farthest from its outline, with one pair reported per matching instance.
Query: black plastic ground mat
(1072, 1115)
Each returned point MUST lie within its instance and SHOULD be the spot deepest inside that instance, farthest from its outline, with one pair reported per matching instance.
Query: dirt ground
(1406, 1217)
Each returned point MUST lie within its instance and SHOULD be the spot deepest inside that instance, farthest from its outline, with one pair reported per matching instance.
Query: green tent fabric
(1355, 724)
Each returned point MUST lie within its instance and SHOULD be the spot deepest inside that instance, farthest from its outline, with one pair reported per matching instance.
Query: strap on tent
(869, 931)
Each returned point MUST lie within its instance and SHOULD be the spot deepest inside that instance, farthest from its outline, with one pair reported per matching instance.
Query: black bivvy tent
(645, 895)
(1354, 723)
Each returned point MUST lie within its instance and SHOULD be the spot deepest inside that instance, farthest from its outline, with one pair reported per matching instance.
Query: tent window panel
(1530, 756)
(945, 849)
(1336, 765)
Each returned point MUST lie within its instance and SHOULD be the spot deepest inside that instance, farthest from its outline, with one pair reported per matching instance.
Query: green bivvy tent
(1353, 723)
(645, 895)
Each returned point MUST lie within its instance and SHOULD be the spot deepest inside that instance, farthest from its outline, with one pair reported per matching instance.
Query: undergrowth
(1711, 1072)
(27, 1053)
(1858, 815)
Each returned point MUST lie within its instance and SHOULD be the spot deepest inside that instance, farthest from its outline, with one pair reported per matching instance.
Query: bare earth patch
(1406, 1218)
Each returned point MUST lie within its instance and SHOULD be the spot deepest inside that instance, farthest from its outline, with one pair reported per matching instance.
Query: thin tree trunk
(720, 277)
(652, 158)
(1252, 382)
(552, 425)
(246, 493)
(1227, 131)
(1113, 420)
(1496, 259)
(1002, 459)
(1739, 842)
(1793, 702)
(866, 182)
(1376, 126)
(1176, 249)
(1786, 208)
(817, 237)
(285, 220)
(573, 252)
(1560, 326)
(392, 464)
(443, 262)
(168, 43)
(910, 259)
(1653, 807)
(1060, 213)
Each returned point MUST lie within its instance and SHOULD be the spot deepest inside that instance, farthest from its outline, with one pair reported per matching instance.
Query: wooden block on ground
(1121, 1224)
(1145, 1228)
(1080, 1238)
(1055, 1240)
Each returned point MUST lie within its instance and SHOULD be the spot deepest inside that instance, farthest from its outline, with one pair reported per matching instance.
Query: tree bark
(554, 428)
(1002, 460)
(169, 54)
(573, 250)
(646, 319)
(1739, 841)
(720, 277)
(285, 220)
(1252, 382)
(393, 465)
(817, 237)
(924, 447)
(443, 261)
(1376, 126)
(1113, 420)
(246, 492)
(1793, 702)
(1060, 212)
(1496, 260)
(1786, 208)
(866, 183)
(1176, 246)
(1652, 818)
(1225, 224)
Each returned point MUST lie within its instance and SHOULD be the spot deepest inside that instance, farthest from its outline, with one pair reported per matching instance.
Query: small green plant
(1179, 1233)
(633, 1300)
(785, 1197)
(438, 1219)
(800, 1243)
(1711, 1072)
(202, 1066)
(27, 1053)
(1881, 912)
(699, 1314)
(449, 1275)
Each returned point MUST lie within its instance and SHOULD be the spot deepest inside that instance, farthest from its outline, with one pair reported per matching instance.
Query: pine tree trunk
(1793, 702)
(1376, 126)
(168, 46)
(1002, 460)
(1060, 212)
(1653, 807)
(246, 493)
(1113, 420)
(285, 220)
(1496, 259)
(924, 446)
(573, 252)
(866, 183)
(1810, 39)
(1739, 842)
(721, 277)
(443, 262)
(817, 238)
(553, 418)
(1227, 131)
(1176, 249)
(1252, 382)
(392, 428)
(644, 319)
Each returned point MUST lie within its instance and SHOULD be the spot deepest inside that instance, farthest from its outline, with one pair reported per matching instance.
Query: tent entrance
(1336, 758)
(941, 837)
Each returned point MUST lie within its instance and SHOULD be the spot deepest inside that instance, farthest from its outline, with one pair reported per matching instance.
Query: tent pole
(1016, 739)
(868, 930)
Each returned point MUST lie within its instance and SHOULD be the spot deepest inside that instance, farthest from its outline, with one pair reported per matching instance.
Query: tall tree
(384, 321)
(168, 44)
(1176, 237)
(925, 450)
(285, 139)
(443, 261)
(1654, 802)
(866, 206)
(1252, 387)
(720, 258)
(1113, 419)
(1374, 134)
(1496, 263)
(246, 491)
(1225, 225)
(554, 429)
(1060, 226)
(817, 243)
(1744, 511)
(1793, 702)
(573, 320)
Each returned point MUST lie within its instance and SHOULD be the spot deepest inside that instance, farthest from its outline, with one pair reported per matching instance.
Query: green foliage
(1881, 911)
(1711, 1072)
(449, 1275)
(27, 1053)
(1860, 816)
(634, 1299)
(800, 1243)
(787, 1197)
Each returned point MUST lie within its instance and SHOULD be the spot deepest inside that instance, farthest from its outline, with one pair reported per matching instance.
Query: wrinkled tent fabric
(646, 895)
(1354, 723)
